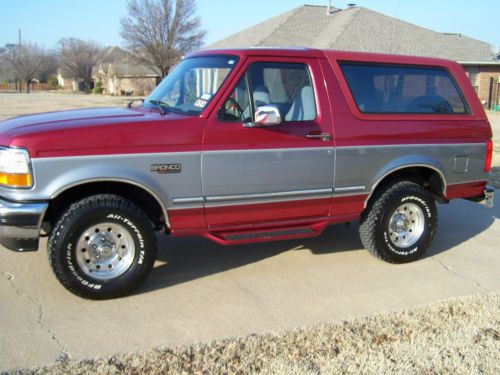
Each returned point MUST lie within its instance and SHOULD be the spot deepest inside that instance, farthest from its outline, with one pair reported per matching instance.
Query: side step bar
(265, 235)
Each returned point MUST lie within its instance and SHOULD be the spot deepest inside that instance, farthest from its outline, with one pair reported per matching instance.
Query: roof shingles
(356, 29)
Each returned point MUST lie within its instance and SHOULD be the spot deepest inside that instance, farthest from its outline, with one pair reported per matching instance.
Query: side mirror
(267, 115)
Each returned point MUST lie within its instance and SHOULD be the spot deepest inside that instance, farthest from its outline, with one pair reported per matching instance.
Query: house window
(473, 73)
(403, 89)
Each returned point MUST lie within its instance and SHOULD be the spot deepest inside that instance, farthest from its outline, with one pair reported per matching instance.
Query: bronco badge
(166, 168)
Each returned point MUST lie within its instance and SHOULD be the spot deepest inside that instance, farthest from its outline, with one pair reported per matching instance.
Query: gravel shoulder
(460, 336)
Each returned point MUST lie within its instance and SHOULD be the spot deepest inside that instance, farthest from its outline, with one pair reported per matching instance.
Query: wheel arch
(428, 175)
(143, 196)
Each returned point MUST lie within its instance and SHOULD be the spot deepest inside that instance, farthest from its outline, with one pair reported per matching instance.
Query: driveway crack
(450, 270)
(64, 352)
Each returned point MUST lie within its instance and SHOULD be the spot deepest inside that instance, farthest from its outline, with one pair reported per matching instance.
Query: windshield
(192, 84)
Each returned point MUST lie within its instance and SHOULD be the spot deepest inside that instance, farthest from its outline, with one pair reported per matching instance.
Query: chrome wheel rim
(406, 225)
(105, 251)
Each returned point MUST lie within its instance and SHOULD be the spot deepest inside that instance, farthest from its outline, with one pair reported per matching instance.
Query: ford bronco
(242, 146)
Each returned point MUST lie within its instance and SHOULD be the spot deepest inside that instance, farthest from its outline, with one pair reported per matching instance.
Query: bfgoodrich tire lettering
(399, 224)
(102, 247)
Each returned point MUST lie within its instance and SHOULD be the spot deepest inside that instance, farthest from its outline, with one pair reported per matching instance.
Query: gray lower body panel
(20, 225)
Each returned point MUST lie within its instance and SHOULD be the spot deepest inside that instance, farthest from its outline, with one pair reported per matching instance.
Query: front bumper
(20, 224)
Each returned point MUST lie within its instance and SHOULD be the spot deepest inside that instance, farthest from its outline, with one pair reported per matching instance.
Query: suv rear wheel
(102, 247)
(399, 224)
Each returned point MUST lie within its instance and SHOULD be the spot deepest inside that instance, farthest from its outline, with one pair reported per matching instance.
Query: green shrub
(97, 88)
(53, 82)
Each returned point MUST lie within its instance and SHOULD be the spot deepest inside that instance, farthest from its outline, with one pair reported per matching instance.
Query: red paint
(187, 219)
(249, 217)
(353, 127)
(111, 131)
(223, 238)
(266, 212)
(348, 205)
(106, 131)
(471, 189)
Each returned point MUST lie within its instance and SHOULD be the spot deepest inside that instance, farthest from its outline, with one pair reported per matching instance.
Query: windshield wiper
(162, 106)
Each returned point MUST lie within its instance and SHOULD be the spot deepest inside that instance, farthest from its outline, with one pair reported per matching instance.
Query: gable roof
(356, 29)
(115, 61)
(113, 54)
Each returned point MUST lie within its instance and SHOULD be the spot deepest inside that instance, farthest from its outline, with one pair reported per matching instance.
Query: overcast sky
(45, 22)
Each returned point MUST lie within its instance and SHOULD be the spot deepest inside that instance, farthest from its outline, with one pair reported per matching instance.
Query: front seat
(261, 96)
(303, 107)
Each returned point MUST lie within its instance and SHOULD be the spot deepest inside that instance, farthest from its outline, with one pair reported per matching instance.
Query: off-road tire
(375, 230)
(95, 210)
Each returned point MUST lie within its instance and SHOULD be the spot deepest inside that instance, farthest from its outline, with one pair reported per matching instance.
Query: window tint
(402, 89)
(284, 85)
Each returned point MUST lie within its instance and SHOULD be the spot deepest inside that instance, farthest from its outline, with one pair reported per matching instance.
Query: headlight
(15, 170)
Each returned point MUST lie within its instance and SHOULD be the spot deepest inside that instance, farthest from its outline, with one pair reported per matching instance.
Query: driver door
(252, 173)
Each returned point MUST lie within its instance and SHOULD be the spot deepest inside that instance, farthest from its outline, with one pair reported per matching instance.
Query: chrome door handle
(322, 136)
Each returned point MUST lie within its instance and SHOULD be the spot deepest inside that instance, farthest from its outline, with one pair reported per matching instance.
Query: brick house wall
(482, 77)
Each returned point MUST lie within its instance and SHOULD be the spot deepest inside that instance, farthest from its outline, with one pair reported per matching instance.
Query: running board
(265, 235)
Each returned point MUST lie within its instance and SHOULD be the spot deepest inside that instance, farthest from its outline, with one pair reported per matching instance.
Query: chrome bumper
(20, 224)
(489, 192)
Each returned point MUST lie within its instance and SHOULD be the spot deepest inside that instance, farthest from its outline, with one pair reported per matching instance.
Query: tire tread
(56, 237)
(369, 219)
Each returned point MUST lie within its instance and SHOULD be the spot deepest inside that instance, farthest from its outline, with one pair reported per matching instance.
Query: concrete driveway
(200, 291)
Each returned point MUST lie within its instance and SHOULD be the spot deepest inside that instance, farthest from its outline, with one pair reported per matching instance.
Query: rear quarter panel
(371, 146)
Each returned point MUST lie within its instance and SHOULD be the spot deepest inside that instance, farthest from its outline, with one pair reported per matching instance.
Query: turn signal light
(489, 156)
(15, 180)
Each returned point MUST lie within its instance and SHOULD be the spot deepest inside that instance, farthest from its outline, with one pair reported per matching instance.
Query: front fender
(52, 176)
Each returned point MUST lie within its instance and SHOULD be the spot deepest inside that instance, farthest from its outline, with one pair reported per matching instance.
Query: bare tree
(24, 62)
(4, 69)
(77, 58)
(49, 65)
(159, 32)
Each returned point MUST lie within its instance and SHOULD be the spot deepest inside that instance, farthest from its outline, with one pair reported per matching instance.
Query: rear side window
(403, 89)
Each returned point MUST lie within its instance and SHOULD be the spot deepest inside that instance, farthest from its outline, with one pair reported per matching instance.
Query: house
(67, 83)
(118, 74)
(361, 29)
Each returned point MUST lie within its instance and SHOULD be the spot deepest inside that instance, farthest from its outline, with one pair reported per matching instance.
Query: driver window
(286, 86)
(236, 107)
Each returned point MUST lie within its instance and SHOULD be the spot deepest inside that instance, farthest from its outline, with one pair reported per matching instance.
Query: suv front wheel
(399, 223)
(102, 247)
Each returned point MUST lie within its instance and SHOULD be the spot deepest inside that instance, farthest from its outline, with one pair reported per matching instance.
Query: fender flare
(119, 179)
(409, 161)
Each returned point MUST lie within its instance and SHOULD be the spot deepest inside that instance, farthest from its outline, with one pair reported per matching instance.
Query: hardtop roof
(328, 54)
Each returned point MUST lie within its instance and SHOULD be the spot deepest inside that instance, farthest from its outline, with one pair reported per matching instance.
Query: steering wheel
(237, 106)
